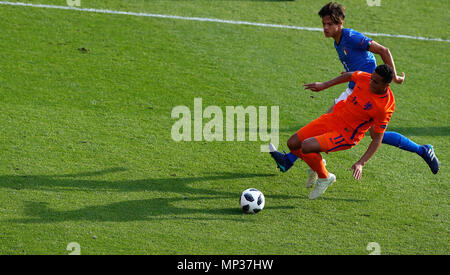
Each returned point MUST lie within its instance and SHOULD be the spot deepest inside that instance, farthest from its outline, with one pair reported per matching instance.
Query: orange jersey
(363, 109)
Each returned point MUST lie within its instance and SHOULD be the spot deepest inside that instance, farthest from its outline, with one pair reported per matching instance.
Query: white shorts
(344, 95)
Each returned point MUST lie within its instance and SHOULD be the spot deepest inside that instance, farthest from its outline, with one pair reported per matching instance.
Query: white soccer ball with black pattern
(252, 201)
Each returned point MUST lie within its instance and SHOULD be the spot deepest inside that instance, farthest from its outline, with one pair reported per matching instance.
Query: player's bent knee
(294, 143)
(310, 145)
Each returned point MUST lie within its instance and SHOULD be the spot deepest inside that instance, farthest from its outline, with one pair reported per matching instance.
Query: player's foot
(281, 159)
(321, 186)
(312, 176)
(430, 158)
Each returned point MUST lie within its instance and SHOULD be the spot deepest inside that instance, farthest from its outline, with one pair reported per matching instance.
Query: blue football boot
(281, 159)
(430, 158)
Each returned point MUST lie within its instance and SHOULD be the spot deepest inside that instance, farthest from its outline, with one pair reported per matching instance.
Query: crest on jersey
(368, 106)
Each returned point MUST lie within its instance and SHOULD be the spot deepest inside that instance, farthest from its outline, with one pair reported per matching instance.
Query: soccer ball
(252, 201)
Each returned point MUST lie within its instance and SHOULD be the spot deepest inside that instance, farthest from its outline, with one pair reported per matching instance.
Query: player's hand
(399, 79)
(357, 170)
(315, 87)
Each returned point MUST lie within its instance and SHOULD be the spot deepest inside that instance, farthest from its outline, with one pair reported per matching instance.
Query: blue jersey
(353, 51)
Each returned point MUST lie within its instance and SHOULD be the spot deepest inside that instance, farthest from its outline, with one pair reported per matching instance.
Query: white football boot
(321, 186)
(312, 176)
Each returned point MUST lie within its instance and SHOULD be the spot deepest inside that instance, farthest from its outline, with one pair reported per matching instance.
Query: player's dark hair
(386, 72)
(335, 10)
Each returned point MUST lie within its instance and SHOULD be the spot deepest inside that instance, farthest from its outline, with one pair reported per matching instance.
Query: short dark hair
(334, 10)
(386, 72)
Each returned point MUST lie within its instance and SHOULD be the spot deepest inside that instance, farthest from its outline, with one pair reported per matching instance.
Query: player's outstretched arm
(387, 59)
(319, 86)
(373, 147)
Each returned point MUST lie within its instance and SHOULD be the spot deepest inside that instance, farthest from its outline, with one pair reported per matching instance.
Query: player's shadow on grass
(145, 210)
(134, 210)
(178, 206)
(74, 182)
(155, 208)
(174, 185)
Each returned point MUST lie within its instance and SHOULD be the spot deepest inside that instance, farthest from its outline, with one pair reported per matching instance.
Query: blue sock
(402, 142)
(292, 157)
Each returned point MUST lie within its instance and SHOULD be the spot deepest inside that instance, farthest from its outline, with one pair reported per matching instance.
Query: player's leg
(311, 157)
(404, 143)
(308, 149)
(310, 153)
(294, 143)
(315, 128)
(328, 142)
(286, 161)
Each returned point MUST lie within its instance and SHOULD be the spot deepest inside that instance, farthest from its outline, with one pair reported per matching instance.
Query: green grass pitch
(87, 154)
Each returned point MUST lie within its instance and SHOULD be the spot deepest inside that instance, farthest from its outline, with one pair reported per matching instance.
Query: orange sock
(314, 160)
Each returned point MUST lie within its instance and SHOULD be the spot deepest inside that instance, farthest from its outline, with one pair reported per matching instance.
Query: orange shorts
(327, 133)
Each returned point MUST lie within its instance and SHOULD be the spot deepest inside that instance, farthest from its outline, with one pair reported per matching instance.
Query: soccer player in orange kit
(370, 106)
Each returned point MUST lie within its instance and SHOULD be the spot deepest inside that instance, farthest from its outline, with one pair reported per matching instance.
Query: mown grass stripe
(215, 20)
